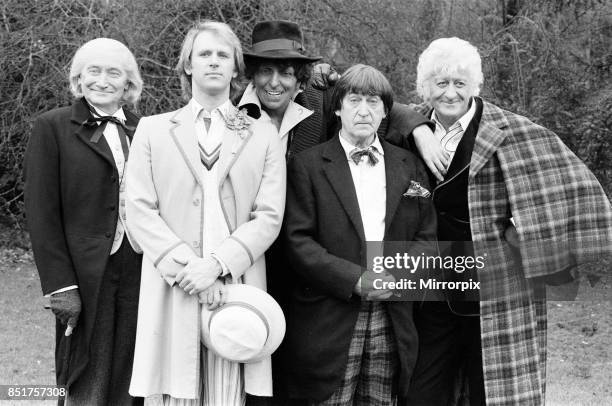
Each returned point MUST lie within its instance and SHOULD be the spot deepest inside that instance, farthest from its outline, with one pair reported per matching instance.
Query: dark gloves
(67, 306)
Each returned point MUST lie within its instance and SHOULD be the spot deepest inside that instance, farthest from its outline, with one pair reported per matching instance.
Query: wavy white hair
(448, 56)
(123, 54)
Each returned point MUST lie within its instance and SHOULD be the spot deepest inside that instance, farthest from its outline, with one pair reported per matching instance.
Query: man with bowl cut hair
(528, 205)
(344, 344)
(206, 194)
(88, 263)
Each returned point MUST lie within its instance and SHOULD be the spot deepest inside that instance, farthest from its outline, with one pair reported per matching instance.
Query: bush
(547, 60)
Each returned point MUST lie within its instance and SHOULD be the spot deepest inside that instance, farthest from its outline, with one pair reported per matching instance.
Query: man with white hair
(501, 170)
(74, 196)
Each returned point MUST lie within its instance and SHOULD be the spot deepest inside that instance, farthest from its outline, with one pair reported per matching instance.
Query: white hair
(134, 88)
(448, 56)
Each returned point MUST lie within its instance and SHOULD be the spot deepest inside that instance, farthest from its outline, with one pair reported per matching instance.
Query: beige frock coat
(164, 205)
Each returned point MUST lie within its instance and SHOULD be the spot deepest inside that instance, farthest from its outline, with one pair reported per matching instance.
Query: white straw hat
(247, 328)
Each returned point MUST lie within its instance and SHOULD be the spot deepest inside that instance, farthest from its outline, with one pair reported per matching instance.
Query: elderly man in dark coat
(344, 344)
(88, 263)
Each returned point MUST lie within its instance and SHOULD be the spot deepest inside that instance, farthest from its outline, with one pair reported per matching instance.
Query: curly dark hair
(301, 68)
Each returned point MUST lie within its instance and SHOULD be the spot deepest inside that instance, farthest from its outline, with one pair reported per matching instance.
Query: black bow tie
(357, 153)
(125, 131)
(96, 120)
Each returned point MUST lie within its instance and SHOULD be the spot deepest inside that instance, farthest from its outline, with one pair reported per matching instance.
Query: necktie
(206, 123)
(357, 153)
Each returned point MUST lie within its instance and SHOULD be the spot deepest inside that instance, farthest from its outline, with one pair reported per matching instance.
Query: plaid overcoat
(521, 170)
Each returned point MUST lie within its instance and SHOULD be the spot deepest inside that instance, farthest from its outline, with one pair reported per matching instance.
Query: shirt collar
(464, 121)
(250, 100)
(197, 109)
(117, 114)
(294, 114)
(348, 147)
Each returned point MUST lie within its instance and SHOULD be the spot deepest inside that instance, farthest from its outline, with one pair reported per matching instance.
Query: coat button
(111, 208)
(108, 234)
(196, 202)
(196, 244)
(113, 179)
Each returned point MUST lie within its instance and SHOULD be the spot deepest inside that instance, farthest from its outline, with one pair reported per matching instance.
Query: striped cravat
(450, 141)
(209, 151)
(209, 158)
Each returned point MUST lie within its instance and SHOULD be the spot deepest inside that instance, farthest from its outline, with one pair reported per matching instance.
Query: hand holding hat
(215, 296)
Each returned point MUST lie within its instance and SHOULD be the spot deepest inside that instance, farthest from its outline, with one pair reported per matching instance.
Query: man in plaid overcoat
(503, 170)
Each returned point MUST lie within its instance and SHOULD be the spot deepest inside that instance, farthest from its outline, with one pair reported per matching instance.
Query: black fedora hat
(278, 40)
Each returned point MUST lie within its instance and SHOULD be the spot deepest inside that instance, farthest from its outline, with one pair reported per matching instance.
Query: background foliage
(548, 60)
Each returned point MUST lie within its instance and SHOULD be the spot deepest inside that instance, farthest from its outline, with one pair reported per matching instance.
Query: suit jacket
(327, 251)
(71, 198)
(165, 214)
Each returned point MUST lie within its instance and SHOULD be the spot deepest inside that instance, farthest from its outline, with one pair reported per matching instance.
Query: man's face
(103, 79)
(211, 65)
(275, 86)
(450, 96)
(360, 115)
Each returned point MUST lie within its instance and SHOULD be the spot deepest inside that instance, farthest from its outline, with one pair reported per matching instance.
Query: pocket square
(416, 190)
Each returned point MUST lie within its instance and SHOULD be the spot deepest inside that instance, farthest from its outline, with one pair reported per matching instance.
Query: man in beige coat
(206, 194)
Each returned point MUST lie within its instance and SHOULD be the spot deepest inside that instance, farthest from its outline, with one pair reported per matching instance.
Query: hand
(324, 76)
(435, 157)
(198, 274)
(66, 306)
(365, 286)
(215, 296)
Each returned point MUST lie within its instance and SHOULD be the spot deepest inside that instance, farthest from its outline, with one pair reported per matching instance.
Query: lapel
(184, 135)
(397, 177)
(293, 116)
(336, 169)
(80, 114)
(489, 136)
(232, 145)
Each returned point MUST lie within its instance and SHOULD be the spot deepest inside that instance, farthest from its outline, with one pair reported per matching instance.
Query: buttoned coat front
(165, 195)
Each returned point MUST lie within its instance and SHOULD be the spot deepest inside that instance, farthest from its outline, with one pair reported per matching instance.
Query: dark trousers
(106, 379)
(449, 360)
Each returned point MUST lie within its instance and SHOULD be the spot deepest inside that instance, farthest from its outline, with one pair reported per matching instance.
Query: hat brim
(281, 54)
(264, 303)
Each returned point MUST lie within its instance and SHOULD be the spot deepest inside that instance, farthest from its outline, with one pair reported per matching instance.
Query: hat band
(277, 44)
(245, 305)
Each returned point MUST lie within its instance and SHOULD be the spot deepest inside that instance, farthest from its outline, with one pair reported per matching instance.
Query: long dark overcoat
(327, 252)
(71, 196)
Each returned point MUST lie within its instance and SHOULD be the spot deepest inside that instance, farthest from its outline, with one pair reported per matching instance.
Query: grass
(579, 337)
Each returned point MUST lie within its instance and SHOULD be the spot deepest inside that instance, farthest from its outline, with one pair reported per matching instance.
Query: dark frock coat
(71, 198)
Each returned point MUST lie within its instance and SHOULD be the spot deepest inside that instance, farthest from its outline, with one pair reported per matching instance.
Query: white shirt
(371, 187)
(440, 132)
